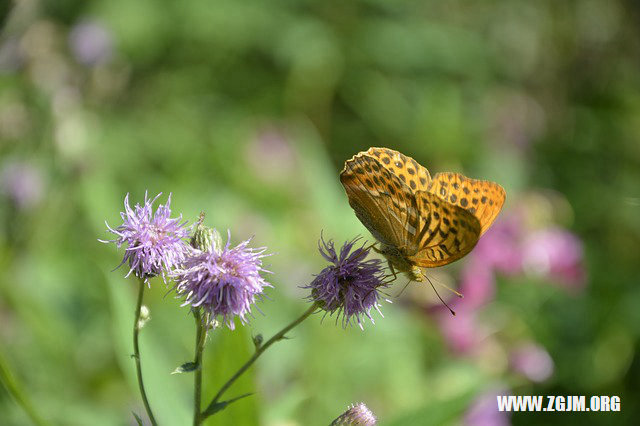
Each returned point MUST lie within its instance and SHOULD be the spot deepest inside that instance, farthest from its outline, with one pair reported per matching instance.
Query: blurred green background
(247, 110)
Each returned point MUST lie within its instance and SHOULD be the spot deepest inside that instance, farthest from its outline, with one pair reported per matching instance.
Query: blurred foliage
(247, 110)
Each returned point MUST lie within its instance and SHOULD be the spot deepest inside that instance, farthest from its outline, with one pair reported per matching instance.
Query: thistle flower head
(350, 284)
(356, 415)
(222, 280)
(155, 242)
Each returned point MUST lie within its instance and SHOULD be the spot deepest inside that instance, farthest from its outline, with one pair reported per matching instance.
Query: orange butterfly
(419, 221)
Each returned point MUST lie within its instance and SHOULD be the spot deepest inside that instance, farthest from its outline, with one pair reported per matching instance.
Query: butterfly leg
(392, 269)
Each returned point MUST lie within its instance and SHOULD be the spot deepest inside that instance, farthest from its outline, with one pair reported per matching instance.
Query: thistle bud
(257, 341)
(205, 238)
(356, 415)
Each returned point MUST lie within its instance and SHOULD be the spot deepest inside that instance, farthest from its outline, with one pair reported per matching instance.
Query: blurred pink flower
(532, 361)
(500, 247)
(484, 411)
(91, 43)
(22, 183)
(478, 283)
(463, 332)
(555, 254)
(460, 331)
(510, 248)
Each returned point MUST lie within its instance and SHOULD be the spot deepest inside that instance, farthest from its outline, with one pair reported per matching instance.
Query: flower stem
(276, 337)
(197, 384)
(136, 353)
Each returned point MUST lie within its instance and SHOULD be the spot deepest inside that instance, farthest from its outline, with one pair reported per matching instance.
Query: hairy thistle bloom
(357, 414)
(350, 285)
(155, 242)
(222, 280)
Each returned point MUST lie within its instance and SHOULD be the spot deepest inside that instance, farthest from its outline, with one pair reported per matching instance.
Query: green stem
(136, 353)
(276, 337)
(16, 392)
(197, 385)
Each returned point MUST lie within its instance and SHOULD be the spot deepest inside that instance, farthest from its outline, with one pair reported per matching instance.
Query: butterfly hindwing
(481, 198)
(447, 232)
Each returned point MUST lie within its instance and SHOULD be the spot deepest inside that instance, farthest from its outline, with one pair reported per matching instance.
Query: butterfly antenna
(457, 293)
(403, 288)
(437, 294)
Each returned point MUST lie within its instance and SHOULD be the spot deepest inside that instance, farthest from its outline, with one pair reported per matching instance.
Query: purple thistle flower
(155, 242)
(356, 415)
(224, 281)
(350, 285)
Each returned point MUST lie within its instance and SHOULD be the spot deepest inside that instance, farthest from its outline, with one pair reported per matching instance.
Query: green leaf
(224, 354)
(219, 406)
(138, 419)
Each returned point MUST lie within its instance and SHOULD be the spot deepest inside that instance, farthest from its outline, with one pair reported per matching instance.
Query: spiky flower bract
(356, 415)
(224, 281)
(155, 242)
(350, 285)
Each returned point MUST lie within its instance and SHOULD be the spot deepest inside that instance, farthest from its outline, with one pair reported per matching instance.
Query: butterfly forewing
(481, 198)
(380, 200)
(406, 168)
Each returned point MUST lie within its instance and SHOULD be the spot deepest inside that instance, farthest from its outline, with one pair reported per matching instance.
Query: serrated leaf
(187, 367)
